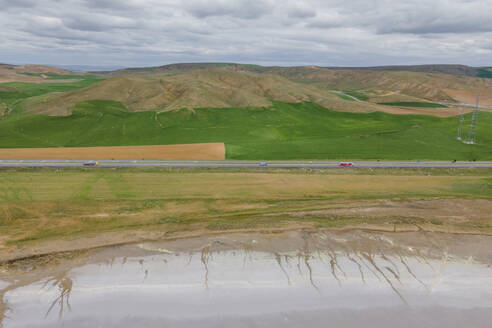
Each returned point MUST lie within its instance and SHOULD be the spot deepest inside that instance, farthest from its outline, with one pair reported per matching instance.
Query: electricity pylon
(460, 127)
(473, 125)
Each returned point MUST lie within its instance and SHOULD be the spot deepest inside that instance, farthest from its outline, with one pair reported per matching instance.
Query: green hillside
(484, 72)
(284, 131)
(13, 93)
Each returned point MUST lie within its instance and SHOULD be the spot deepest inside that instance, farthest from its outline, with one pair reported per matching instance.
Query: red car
(346, 164)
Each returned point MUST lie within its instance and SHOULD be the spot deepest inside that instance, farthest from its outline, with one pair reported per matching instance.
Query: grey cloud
(301, 11)
(439, 26)
(293, 32)
(327, 21)
(112, 4)
(440, 16)
(323, 24)
(98, 22)
(240, 8)
(7, 4)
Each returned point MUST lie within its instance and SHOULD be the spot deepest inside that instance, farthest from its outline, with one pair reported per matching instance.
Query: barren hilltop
(28, 73)
(219, 85)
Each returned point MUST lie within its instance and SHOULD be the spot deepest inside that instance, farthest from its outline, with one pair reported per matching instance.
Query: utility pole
(473, 125)
(460, 127)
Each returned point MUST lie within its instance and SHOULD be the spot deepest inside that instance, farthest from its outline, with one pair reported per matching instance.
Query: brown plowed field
(204, 151)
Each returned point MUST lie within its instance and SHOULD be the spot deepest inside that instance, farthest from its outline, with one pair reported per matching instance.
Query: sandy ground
(205, 151)
(439, 112)
(447, 210)
(372, 105)
(470, 96)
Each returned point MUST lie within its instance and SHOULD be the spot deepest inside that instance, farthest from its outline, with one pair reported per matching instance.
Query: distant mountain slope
(237, 85)
(220, 85)
(28, 73)
(181, 68)
(459, 70)
(90, 68)
(485, 72)
(428, 86)
(41, 69)
(451, 69)
(197, 88)
(431, 82)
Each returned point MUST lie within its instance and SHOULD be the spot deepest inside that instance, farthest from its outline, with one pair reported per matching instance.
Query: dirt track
(439, 112)
(205, 151)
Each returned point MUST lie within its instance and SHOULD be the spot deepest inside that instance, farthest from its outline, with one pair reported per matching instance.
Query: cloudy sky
(270, 32)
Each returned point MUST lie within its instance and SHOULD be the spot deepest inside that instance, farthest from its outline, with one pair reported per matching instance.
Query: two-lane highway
(238, 164)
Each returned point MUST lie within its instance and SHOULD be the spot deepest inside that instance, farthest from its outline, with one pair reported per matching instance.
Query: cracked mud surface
(291, 278)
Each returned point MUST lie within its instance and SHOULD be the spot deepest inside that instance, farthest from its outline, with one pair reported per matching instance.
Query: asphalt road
(242, 164)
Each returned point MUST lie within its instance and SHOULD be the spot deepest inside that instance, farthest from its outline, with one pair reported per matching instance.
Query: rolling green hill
(485, 72)
(453, 83)
(222, 85)
(13, 94)
(199, 88)
(214, 87)
(258, 112)
(283, 131)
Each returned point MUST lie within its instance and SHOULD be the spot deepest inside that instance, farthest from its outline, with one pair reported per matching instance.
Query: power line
(473, 125)
(460, 127)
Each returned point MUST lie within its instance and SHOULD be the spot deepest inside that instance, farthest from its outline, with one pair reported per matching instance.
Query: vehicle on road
(263, 164)
(91, 163)
(346, 164)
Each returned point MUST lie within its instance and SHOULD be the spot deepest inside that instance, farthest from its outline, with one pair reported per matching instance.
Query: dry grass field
(205, 151)
(43, 211)
(470, 96)
(439, 112)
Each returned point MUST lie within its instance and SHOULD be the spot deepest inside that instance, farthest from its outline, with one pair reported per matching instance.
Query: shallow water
(290, 280)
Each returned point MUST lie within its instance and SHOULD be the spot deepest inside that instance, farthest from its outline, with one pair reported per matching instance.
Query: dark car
(91, 163)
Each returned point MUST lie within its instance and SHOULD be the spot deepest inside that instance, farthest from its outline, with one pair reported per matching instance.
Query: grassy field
(54, 76)
(344, 97)
(347, 95)
(485, 72)
(12, 94)
(284, 131)
(413, 104)
(358, 95)
(50, 206)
